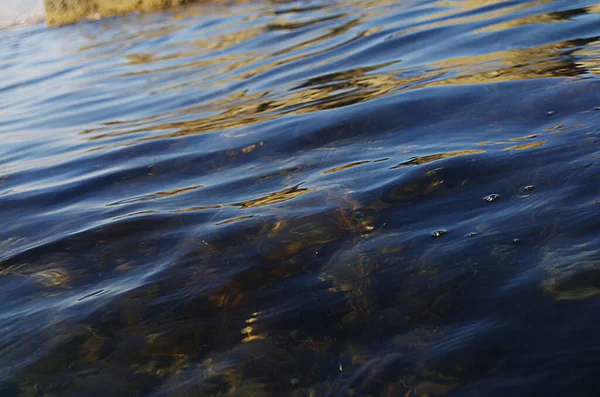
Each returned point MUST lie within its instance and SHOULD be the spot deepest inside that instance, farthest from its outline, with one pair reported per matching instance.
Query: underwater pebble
(52, 277)
(472, 234)
(492, 197)
(439, 233)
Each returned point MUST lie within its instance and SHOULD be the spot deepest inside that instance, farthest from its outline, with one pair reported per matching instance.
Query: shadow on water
(303, 198)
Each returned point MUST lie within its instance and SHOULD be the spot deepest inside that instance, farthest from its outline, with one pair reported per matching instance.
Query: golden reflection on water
(62, 12)
(457, 8)
(531, 145)
(352, 86)
(157, 195)
(199, 208)
(345, 167)
(434, 157)
(205, 64)
(268, 199)
(511, 65)
(590, 55)
(274, 198)
(551, 17)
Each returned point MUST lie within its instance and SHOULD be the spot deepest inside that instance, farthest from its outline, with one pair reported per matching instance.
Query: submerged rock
(573, 275)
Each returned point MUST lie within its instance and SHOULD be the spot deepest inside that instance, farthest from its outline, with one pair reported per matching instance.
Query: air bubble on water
(550, 112)
(528, 188)
(472, 234)
(439, 233)
(516, 240)
(492, 197)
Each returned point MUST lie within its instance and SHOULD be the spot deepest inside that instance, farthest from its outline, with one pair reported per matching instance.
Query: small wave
(379, 197)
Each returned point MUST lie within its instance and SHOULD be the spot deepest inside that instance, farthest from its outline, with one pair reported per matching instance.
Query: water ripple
(286, 198)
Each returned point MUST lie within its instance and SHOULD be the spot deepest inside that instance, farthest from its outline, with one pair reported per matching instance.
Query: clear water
(303, 198)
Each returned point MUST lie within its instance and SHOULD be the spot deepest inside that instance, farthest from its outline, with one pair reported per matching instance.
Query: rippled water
(303, 198)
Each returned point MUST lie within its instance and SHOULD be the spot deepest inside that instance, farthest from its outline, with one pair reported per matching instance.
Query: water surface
(303, 198)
